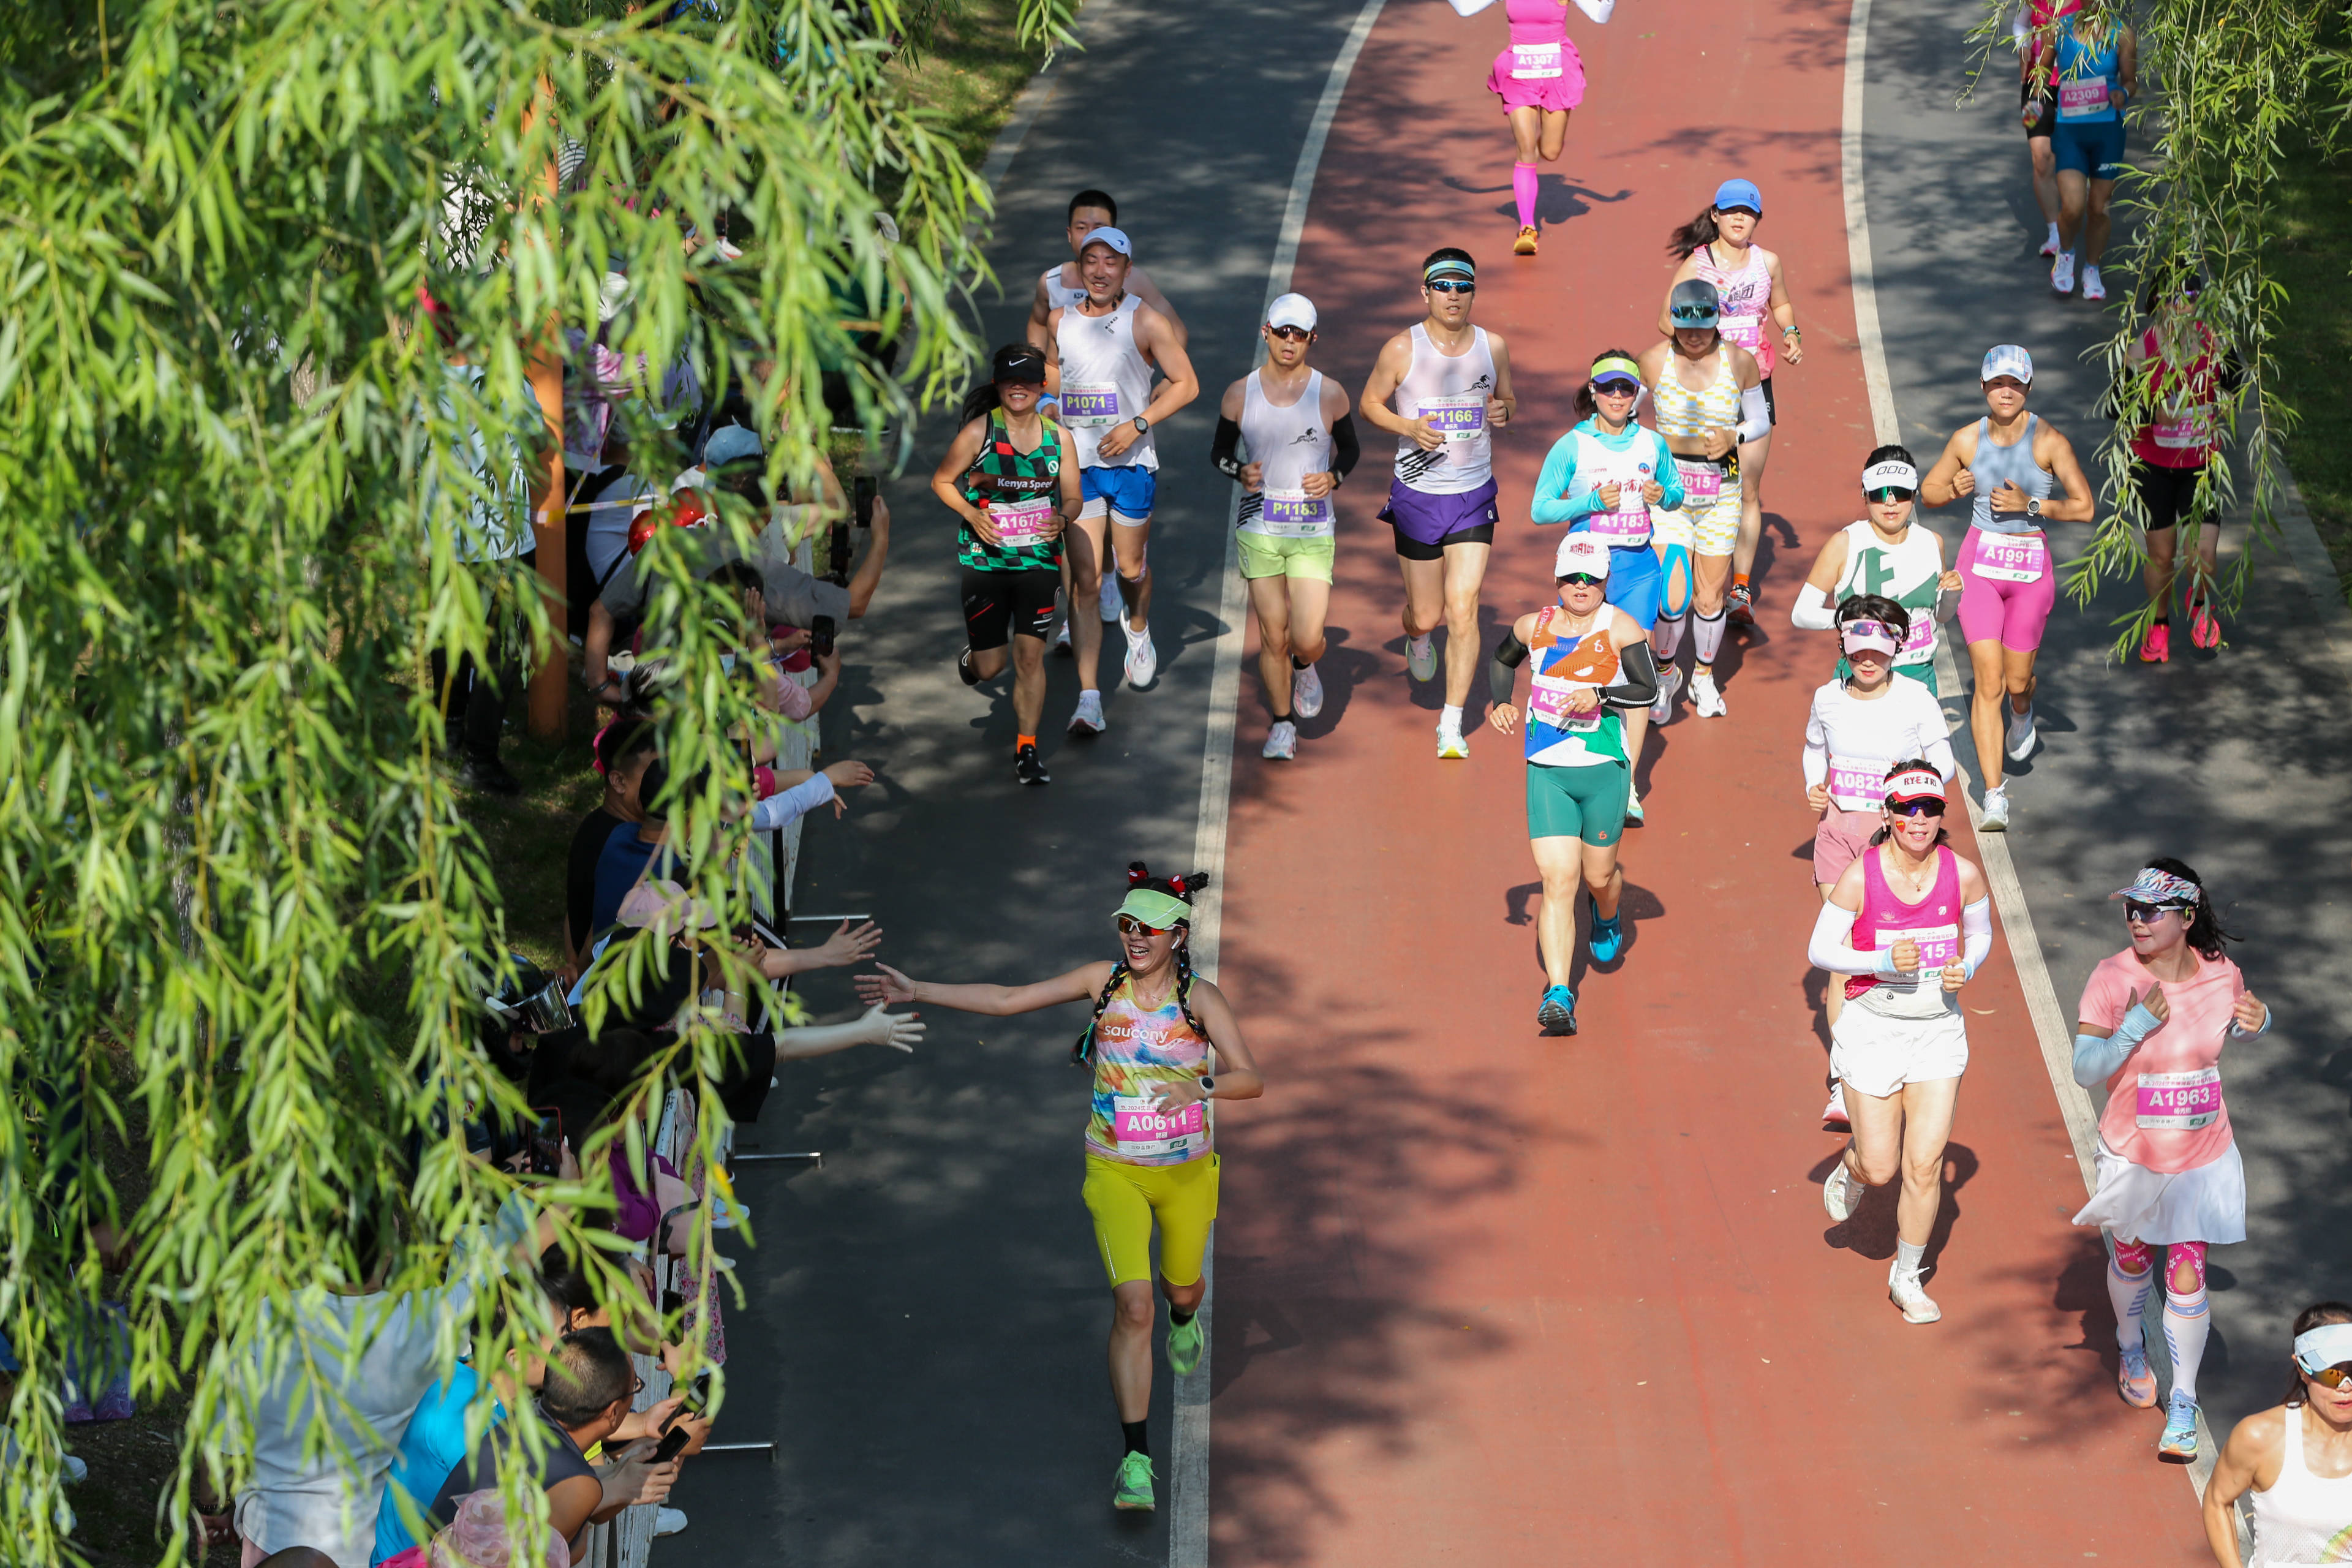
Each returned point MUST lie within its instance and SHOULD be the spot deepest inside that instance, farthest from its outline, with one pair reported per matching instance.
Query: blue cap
(1738, 194)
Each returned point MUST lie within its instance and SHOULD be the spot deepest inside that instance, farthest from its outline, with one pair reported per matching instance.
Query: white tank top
(1292, 443)
(1906, 572)
(1452, 393)
(2303, 1519)
(1060, 295)
(1106, 381)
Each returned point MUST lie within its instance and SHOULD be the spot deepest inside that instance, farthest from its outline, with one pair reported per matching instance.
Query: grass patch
(2312, 216)
(966, 68)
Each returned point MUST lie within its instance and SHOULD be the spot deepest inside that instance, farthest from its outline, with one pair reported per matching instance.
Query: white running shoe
(668, 1521)
(2092, 289)
(2049, 242)
(1112, 606)
(1904, 1290)
(1834, 1113)
(1994, 818)
(1143, 658)
(1062, 638)
(2021, 733)
(1421, 657)
(2061, 273)
(1706, 700)
(1670, 680)
(1089, 719)
(1281, 741)
(1450, 746)
(1306, 692)
(1840, 1191)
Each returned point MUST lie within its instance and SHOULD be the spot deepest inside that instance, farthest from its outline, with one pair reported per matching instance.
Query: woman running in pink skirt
(1540, 77)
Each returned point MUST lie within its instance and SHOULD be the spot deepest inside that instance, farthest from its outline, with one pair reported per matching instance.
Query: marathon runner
(1908, 923)
(1013, 494)
(2010, 463)
(1539, 77)
(1301, 438)
(2293, 1463)
(1156, 1033)
(2036, 32)
(1604, 477)
(1592, 666)
(1099, 360)
(1059, 286)
(1862, 722)
(2187, 371)
(1710, 398)
(1883, 554)
(2153, 1021)
(2098, 70)
(1452, 382)
(1716, 248)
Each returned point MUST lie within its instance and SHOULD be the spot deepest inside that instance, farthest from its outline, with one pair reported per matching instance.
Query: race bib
(1622, 528)
(1021, 521)
(2013, 557)
(1090, 406)
(1857, 786)
(1459, 417)
(2181, 1101)
(1294, 514)
(1548, 701)
(1702, 481)
(2193, 431)
(1142, 1130)
(1921, 638)
(1938, 945)
(2082, 100)
(1535, 62)
(1748, 331)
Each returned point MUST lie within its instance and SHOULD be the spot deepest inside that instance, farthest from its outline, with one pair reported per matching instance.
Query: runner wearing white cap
(1907, 923)
(1452, 382)
(1717, 247)
(2151, 1027)
(2292, 1464)
(1099, 363)
(1883, 554)
(1295, 424)
(1593, 664)
(2012, 465)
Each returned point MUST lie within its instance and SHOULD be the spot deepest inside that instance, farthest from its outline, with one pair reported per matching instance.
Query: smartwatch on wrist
(1141, 425)
(1208, 1085)
(2033, 506)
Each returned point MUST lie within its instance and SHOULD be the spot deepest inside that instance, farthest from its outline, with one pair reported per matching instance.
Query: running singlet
(1866, 737)
(2303, 1518)
(1689, 416)
(1628, 466)
(1557, 737)
(2180, 433)
(1746, 293)
(1291, 443)
(1539, 31)
(1061, 296)
(1450, 393)
(1934, 923)
(1906, 572)
(2087, 80)
(1136, 1055)
(1996, 466)
(1106, 381)
(2163, 1109)
(1021, 491)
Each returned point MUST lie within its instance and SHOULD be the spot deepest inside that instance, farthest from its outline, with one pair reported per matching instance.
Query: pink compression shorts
(1994, 604)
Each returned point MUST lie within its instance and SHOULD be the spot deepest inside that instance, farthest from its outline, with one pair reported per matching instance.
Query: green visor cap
(1161, 912)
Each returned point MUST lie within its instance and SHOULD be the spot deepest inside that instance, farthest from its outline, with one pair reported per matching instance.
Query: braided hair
(1139, 875)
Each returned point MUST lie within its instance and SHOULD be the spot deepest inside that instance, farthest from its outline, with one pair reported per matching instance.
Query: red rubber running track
(1487, 1298)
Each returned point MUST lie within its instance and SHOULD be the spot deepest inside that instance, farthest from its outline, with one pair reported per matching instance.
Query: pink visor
(1856, 635)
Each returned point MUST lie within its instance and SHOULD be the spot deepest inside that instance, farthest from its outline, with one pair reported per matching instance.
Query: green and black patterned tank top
(1004, 475)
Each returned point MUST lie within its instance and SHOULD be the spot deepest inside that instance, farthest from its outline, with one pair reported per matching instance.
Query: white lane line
(2049, 1018)
(1188, 1464)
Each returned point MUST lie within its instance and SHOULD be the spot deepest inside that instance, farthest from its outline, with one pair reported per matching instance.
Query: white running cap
(2003, 359)
(1290, 311)
(1580, 552)
(1890, 475)
(1117, 239)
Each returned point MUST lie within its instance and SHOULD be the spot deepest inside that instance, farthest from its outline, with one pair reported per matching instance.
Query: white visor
(2330, 1344)
(1898, 476)
(1915, 784)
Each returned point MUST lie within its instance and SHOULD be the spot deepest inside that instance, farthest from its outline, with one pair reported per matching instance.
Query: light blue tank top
(2087, 80)
(1996, 466)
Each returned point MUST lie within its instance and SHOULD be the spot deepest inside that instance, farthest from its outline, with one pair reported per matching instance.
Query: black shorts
(2169, 494)
(1000, 605)
(1771, 406)
(2045, 124)
(1412, 549)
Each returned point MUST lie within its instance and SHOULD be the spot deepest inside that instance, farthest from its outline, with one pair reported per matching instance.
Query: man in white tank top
(1100, 357)
(1301, 442)
(1452, 382)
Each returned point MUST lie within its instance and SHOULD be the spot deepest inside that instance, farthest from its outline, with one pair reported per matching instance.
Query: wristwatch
(1208, 1085)
(2033, 506)
(1141, 425)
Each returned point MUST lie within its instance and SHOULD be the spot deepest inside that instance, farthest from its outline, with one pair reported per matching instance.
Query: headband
(1876, 635)
(1619, 365)
(1449, 266)
(1915, 784)
(2155, 886)
(2330, 1344)
(1898, 476)
(1163, 911)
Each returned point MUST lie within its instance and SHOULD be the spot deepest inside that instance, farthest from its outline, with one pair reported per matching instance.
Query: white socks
(2127, 1293)
(2053, 231)
(1449, 718)
(2186, 1323)
(1706, 636)
(1667, 637)
(1906, 1261)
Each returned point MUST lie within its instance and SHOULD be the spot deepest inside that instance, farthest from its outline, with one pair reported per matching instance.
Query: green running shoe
(1134, 1483)
(1185, 1342)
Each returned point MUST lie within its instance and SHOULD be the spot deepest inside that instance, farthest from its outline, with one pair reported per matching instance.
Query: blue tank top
(1996, 466)
(2087, 82)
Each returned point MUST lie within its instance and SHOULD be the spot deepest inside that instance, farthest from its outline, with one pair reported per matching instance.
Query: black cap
(1019, 361)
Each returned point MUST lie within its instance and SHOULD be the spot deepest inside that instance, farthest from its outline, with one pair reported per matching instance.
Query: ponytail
(981, 401)
(1139, 875)
(1687, 239)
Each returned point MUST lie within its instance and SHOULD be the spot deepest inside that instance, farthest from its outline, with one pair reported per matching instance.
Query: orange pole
(549, 680)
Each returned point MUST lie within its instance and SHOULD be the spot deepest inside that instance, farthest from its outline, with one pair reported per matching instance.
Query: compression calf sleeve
(2187, 1322)
(2130, 1276)
(1706, 635)
(1525, 183)
(1667, 639)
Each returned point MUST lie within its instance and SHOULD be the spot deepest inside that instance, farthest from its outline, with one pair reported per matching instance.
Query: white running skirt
(1877, 1054)
(2207, 1204)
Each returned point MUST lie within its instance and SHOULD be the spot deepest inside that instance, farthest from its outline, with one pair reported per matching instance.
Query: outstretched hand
(900, 1031)
(849, 944)
(885, 987)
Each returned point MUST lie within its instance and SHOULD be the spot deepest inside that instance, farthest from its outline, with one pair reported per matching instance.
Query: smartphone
(675, 1437)
(863, 488)
(673, 1443)
(821, 632)
(547, 1142)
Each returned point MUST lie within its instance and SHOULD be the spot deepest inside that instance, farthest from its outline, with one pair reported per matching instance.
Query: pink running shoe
(2204, 631)
(2155, 643)
(1833, 1114)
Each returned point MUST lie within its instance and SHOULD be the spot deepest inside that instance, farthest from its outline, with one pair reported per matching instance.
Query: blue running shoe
(2180, 1439)
(1556, 1014)
(1608, 936)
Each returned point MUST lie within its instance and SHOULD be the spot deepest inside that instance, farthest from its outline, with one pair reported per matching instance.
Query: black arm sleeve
(1225, 448)
(1345, 450)
(1503, 671)
(1638, 686)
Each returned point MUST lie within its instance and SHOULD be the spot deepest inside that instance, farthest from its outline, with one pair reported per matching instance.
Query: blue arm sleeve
(1558, 473)
(2095, 1060)
(1670, 476)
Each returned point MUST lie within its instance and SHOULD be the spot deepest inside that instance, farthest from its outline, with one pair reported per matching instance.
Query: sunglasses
(1581, 580)
(1452, 286)
(1129, 926)
(1694, 315)
(2327, 1376)
(1291, 334)
(2148, 914)
(1616, 388)
(1916, 808)
(1887, 493)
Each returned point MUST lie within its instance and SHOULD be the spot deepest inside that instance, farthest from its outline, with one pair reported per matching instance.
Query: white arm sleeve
(1830, 949)
(1817, 750)
(792, 805)
(1815, 613)
(1755, 418)
(1976, 934)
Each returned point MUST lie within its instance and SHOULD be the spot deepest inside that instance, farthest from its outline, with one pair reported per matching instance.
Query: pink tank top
(1537, 21)
(1934, 923)
(1747, 300)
